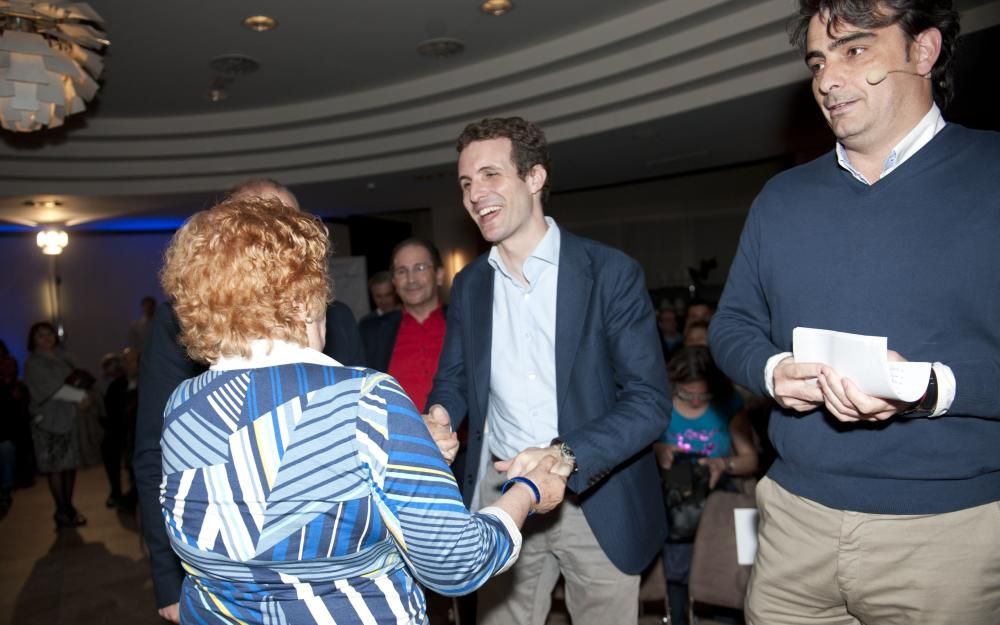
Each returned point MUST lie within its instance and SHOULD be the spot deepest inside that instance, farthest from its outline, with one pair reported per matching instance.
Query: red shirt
(415, 354)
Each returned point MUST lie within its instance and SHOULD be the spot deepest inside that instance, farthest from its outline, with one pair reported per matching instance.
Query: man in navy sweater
(876, 511)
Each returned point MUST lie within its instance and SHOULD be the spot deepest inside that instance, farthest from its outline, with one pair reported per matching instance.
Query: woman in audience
(56, 402)
(297, 490)
(708, 426)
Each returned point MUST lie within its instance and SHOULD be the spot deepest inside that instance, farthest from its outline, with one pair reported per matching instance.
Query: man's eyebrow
(839, 43)
(846, 39)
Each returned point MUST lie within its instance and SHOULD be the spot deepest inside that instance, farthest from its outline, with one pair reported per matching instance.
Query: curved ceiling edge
(479, 74)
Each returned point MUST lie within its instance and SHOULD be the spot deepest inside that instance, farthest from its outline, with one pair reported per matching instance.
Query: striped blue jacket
(304, 493)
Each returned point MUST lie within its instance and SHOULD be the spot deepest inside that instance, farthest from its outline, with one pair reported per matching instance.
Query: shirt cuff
(946, 389)
(772, 364)
(512, 529)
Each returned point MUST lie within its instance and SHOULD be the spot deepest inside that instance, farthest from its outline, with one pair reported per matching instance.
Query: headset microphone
(876, 76)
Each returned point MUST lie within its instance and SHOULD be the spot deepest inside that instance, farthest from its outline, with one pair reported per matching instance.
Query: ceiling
(344, 110)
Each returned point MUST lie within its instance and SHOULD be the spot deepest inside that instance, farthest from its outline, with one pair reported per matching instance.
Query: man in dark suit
(164, 365)
(552, 346)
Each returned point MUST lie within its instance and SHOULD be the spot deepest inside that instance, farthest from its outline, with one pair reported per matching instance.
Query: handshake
(547, 467)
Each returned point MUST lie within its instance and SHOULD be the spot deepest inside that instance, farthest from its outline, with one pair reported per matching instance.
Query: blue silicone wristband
(534, 489)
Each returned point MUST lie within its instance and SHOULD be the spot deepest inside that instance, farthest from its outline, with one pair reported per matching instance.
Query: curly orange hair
(244, 270)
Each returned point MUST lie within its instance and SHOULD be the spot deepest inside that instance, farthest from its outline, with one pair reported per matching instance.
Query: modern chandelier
(49, 61)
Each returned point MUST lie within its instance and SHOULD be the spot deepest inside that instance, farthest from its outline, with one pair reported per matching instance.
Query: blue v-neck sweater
(914, 257)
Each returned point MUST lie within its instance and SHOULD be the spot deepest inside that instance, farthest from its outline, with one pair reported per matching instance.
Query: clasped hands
(545, 466)
(805, 386)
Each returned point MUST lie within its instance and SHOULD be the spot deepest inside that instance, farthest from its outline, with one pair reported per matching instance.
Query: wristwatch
(927, 404)
(565, 451)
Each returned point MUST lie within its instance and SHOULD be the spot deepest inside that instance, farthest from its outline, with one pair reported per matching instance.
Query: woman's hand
(170, 613)
(716, 467)
(664, 454)
(547, 476)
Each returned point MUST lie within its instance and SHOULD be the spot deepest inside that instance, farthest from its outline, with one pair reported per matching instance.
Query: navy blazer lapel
(480, 327)
(572, 301)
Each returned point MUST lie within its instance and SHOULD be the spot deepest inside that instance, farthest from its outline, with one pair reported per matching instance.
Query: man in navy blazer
(552, 345)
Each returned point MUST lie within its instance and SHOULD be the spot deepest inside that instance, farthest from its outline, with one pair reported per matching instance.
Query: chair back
(716, 576)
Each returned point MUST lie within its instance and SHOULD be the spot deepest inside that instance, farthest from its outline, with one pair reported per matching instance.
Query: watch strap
(928, 403)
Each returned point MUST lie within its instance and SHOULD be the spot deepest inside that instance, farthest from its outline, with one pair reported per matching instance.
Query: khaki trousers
(819, 565)
(597, 593)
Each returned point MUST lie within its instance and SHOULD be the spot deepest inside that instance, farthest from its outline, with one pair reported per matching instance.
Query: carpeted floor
(93, 575)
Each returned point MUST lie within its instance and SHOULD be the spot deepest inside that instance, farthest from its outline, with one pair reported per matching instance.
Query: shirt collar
(265, 353)
(438, 311)
(547, 252)
(921, 134)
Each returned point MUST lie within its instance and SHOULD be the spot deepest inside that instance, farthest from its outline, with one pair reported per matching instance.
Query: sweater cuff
(512, 529)
(772, 364)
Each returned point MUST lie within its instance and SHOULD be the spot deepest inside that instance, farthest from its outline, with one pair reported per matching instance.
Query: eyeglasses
(404, 272)
(692, 397)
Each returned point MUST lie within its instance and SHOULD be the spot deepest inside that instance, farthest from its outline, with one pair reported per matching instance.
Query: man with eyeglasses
(406, 342)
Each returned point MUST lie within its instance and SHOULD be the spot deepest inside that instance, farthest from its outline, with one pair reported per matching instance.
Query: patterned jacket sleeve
(448, 549)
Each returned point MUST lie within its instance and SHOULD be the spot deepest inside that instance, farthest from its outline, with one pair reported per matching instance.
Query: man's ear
(927, 49)
(536, 178)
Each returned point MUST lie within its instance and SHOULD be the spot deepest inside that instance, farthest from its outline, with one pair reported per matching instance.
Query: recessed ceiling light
(216, 95)
(260, 23)
(497, 7)
(43, 203)
(440, 47)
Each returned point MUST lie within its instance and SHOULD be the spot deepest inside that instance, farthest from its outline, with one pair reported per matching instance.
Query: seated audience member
(407, 342)
(698, 311)
(696, 333)
(163, 366)
(709, 426)
(297, 490)
(383, 295)
(670, 338)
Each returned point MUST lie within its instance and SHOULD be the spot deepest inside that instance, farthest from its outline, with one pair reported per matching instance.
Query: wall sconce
(52, 241)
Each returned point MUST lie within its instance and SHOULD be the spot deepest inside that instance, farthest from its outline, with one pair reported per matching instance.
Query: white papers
(863, 360)
(746, 534)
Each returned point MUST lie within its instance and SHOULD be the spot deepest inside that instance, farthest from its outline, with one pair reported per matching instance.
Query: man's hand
(438, 423)
(847, 403)
(795, 385)
(526, 461)
(170, 613)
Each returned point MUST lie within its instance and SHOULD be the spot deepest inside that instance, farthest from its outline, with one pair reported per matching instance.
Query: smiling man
(406, 341)
(876, 511)
(552, 348)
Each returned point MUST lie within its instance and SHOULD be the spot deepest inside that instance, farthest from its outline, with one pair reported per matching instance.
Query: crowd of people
(292, 465)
